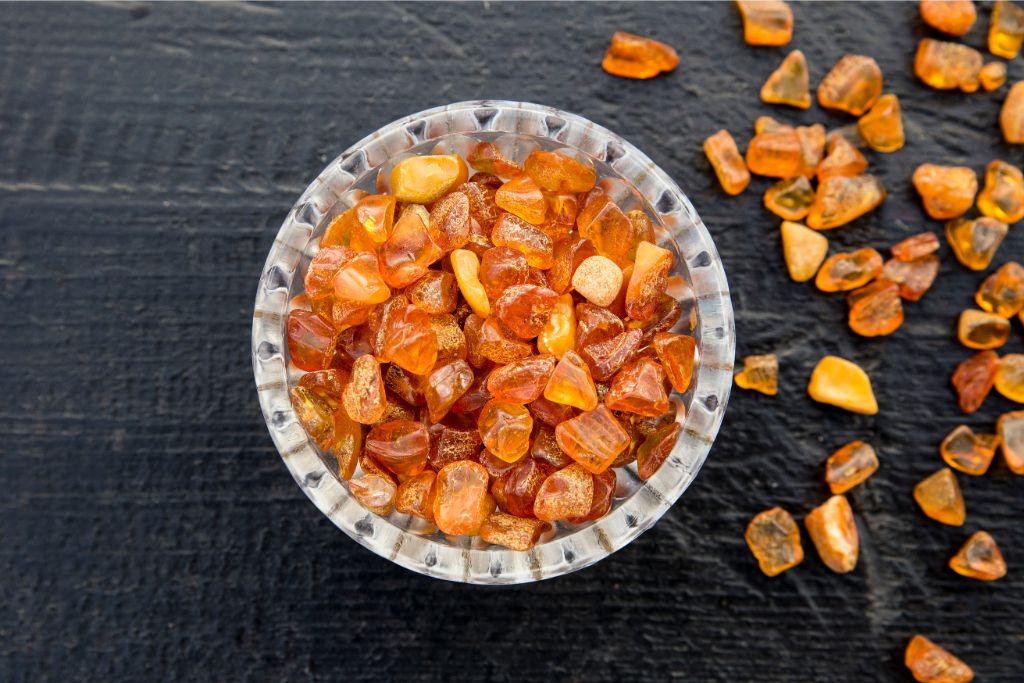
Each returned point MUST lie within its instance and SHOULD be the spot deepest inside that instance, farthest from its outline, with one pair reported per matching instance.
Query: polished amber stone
(595, 324)
(841, 199)
(568, 254)
(487, 157)
(849, 466)
(466, 266)
(975, 241)
(403, 384)
(916, 246)
(593, 439)
(435, 292)
(505, 429)
(559, 333)
(375, 492)
(848, 270)
(407, 340)
(375, 214)
(499, 344)
(843, 159)
(328, 384)
(524, 309)
(501, 268)
(1002, 197)
(410, 249)
(449, 444)
(968, 452)
(461, 500)
(766, 22)
(450, 221)
(940, 498)
(774, 539)
(980, 330)
(570, 383)
(451, 340)
(803, 250)
(1011, 116)
(415, 496)
(401, 446)
(522, 197)
(348, 443)
(760, 373)
(606, 357)
(425, 179)
(778, 154)
(789, 83)
(310, 340)
(475, 397)
(314, 414)
(914, 278)
(319, 280)
(992, 76)
(655, 449)
(841, 383)
(882, 127)
(1010, 429)
(929, 663)
(515, 533)
(521, 381)
(1002, 292)
(534, 243)
(946, 191)
(545, 448)
(561, 172)
(603, 223)
(522, 484)
(648, 281)
(979, 558)
(603, 497)
(1006, 31)
(947, 66)
(564, 494)
(790, 198)
(834, 534)
(1009, 379)
(359, 280)
(973, 379)
(632, 56)
(725, 159)
(875, 309)
(677, 353)
(812, 148)
(853, 85)
(445, 385)
(396, 409)
(954, 17)
(364, 397)
(639, 388)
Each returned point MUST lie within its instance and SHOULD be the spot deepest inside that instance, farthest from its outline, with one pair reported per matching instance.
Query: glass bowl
(706, 305)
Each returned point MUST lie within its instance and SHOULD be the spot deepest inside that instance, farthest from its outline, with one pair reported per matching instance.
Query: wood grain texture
(148, 529)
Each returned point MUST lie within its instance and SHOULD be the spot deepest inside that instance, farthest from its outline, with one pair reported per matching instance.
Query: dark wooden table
(150, 531)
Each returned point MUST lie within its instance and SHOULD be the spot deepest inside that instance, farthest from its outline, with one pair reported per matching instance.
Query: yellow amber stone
(929, 663)
(466, 266)
(979, 558)
(789, 83)
(954, 17)
(1006, 32)
(1002, 292)
(946, 191)
(1002, 197)
(364, 395)
(632, 56)
(790, 198)
(975, 240)
(571, 383)
(940, 498)
(559, 333)
(992, 76)
(522, 197)
(845, 271)
(843, 199)
(843, 160)
(424, 179)
(947, 66)
(760, 373)
(1010, 429)
(968, 452)
(375, 491)
(1011, 116)
(725, 158)
(598, 279)
(804, 250)
(1010, 377)
(853, 85)
(834, 533)
(849, 466)
(882, 127)
(461, 501)
(766, 22)
(838, 382)
(774, 539)
(980, 330)
(777, 155)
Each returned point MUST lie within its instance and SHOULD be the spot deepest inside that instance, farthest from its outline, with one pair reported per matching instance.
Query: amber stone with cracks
(603, 497)
(363, 398)
(449, 221)
(849, 466)
(648, 280)
(980, 330)
(842, 383)
(973, 379)
(415, 496)
(505, 429)
(914, 278)
(1002, 292)
(314, 414)
(549, 412)
(853, 85)
(570, 383)
(946, 191)
(501, 268)
(790, 198)
(841, 199)
(559, 172)
(445, 385)
(655, 449)
(510, 531)
(520, 486)
(760, 373)
(975, 241)
(677, 353)
(954, 17)
(310, 340)
(875, 309)
(488, 158)
(968, 452)
(401, 446)
(939, 497)
(545, 448)
(435, 292)
(882, 127)
(569, 253)
(632, 56)
(375, 492)
(425, 179)
(564, 494)
(834, 534)
(403, 384)
(449, 444)
(725, 158)
(522, 197)
(521, 381)
(843, 160)
(410, 250)
(774, 539)
(359, 280)
(606, 357)
(534, 243)
(559, 333)
(595, 324)
(319, 280)
(947, 66)
(766, 22)
(375, 214)
(1002, 197)
(929, 663)
(408, 340)
(848, 270)
(778, 155)
(461, 501)
(789, 83)
(525, 309)
(916, 246)
(603, 223)
(639, 388)
(1011, 437)
(979, 558)
(593, 439)
(498, 343)
(1006, 31)
(451, 340)
(1011, 116)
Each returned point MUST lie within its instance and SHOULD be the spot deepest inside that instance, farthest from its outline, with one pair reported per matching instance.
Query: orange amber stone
(425, 179)
(766, 124)
(648, 280)
(566, 493)
(853, 85)
(760, 373)
(505, 429)
(929, 663)
(562, 211)
(521, 381)
(778, 155)
(603, 223)
(849, 270)
(790, 198)
(466, 266)
(451, 341)
(569, 253)
(522, 197)
(410, 250)
(1011, 116)
(947, 66)
(766, 22)
(841, 383)
(939, 497)
(319, 280)
(510, 231)
(310, 340)
(435, 292)
(1006, 32)
(843, 160)
(914, 278)
(515, 533)
(561, 172)
(364, 398)
(639, 388)
(499, 344)
(992, 76)
(359, 280)
(803, 250)
(482, 208)
(843, 199)
(450, 221)
(916, 246)
(559, 333)
(570, 383)
(789, 83)
(314, 414)
(632, 56)
(598, 279)
(446, 385)
(461, 501)
(655, 449)
(326, 384)
(1011, 437)
(606, 357)
(774, 539)
(979, 558)
(882, 127)
(374, 491)
(375, 214)
(947, 191)
(604, 495)
(968, 452)
(812, 148)
(415, 496)
(400, 445)
(409, 340)
(975, 241)
(834, 533)
(518, 490)
(1002, 292)
(525, 309)
(676, 353)
(954, 17)
(973, 379)
(501, 268)
(979, 330)
(1010, 377)
(348, 443)
(545, 448)
(849, 466)
(1002, 197)
(403, 384)
(875, 308)
(593, 439)
(487, 157)
(729, 166)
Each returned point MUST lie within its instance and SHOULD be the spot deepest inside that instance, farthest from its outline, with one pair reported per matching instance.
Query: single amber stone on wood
(632, 56)
(487, 157)
(834, 533)
(946, 191)
(973, 379)
(789, 83)
(310, 340)
(914, 278)
(570, 383)
(778, 155)
(363, 398)
(849, 270)
(929, 663)
(445, 385)
(522, 197)
(604, 495)
(803, 249)
(1010, 377)
(849, 466)
(401, 446)
(947, 66)
(1011, 116)
(875, 308)
(425, 179)
(560, 172)
(515, 533)
(853, 85)
(410, 250)
(980, 330)
(1002, 292)
(598, 279)
(1002, 197)
(1006, 32)
(559, 333)
(461, 501)
(566, 493)
(766, 22)
(606, 357)
(968, 452)
(725, 158)
(975, 241)
(790, 199)
(882, 126)
(842, 199)
(677, 354)
(979, 558)
(774, 539)
(838, 382)
(375, 492)
(992, 76)
(415, 496)
(525, 309)
(655, 449)
(639, 388)
(534, 243)
(954, 17)
(843, 160)
(760, 373)
(521, 381)
(593, 439)
(314, 414)
(603, 223)
(1011, 437)
(939, 497)
(505, 429)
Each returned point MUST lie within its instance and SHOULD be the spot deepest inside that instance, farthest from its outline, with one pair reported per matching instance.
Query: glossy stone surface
(639, 388)
(954, 17)
(834, 534)
(415, 496)
(401, 446)
(727, 162)
(1006, 29)
(461, 500)
(561, 172)
(760, 373)
(980, 330)
(968, 452)
(677, 353)
(882, 127)
(841, 199)
(939, 497)
(375, 492)
(364, 397)
(853, 85)
(1002, 292)
(844, 384)
(1010, 428)
(848, 270)
(445, 385)
(974, 241)
(1011, 116)
(843, 160)
(559, 333)
(509, 531)
(946, 191)
(593, 439)
(521, 381)
(947, 66)
(1009, 380)
(655, 449)
(1002, 197)
(424, 179)
(789, 83)
(803, 249)
(930, 663)
(564, 494)
(790, 198)
(973, 379)
(571, 384)
(505, 429)
(633, 56)
(774, 539)
(849, 466)
(309, 340)
(522, 197)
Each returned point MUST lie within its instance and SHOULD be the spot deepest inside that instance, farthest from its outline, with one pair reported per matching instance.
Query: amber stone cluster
(481, 352)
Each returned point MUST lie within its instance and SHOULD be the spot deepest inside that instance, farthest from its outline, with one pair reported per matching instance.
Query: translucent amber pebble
(425, 179)
(973, 379)
(1011, 116)
(451, 341)
(1006, 32)
(466, 266)
(968, 452)
(566, 493)
(409, 340)
(875, 308)
(778, 155)
(1002, 197)
(947, 66)
(803, 249)
(606, 357)
(1011, 438)
(525, 309)
(445, 385)
(954, 17)
(595, 325)
(435, 292)
(841, 199)
(396, 409)
(375, 214)
(522, 485)
(505, 429)
(760, 373)
(410, 250)
(648, 280)
(521, 381)
(725, 158)
(559, 172)
(319, 280)
(632, 56)
(499, 344)
(401, 446)
(1002, 292)
(364, 394)
(603, 497)
(834, 533)
(359, 280)
(766, 124)
(1010, 377)
(980, 330)
(415, 496)
(639, 388)
(310, 339)
(939, 497)
(929, 663)
(843, 160)
(314, 414)
(848, 270)
(487, 157)
(510, 231)
(766, 22)
(992, 76)
(655, 449)
(515, 533)
(979, 558)
(947, 192)
(570, 383)
(838, 382)
(598, 279)
(812, 148)
(914, 278)
(849, 466)
(375, 492)
(569, 253)
(593, 439)
(853, 85)
(975, 241)
(916, 246)
(677, 354)
(789, 83)
(882, 126)
(450, 221)
(790, 198)
(522, 197)
(559, 333)
(545, 447)
(774, 539)
(461, 501)
(603, 223)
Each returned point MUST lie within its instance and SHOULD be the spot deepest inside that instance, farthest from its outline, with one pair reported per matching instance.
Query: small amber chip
(954, 17)
(875, 308)
(947, 66)
(648, 281)
(416, 496)
(790, 198)
(632, 56)
(777, 155)
(929, 663)
(363, 397)
(853, 85)
(505, 429)
(424, 179)
(374, 491)
(1011, 116)
(843, 160)
(564, 494)
(466, 266)
(655, 449)
(760, 373)
(973, 379)
(940, 498)
(803, 249)
(849, 270)
(916, 246)
(834, 533)
(992, 76)
(516, 533)
(766, 22)
(968, 452)
(789, 83)
(975, 241)
(677, 354)
(882, 126)
(774, 539)
(461, 501)
(1006, 32)
(1010, 377)
(913, 277)
(559, 333)
(1002, 292)
(725, 158)
(766, 124)
(1011, 437)
(561, 171)
(1002, 197)
(980, 330)
(979, 558)
(849, 466)
(946, 191)
(838, 382)
(593, 439)
(522, 197)
(842, 199)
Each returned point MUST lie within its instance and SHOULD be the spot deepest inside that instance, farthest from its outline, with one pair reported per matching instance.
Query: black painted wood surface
(148, 529)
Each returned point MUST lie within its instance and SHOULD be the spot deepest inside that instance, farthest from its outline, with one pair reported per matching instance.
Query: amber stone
(843, 160)
(812, 148)
(363, 398)
(461, 501)
(326, 384)
(348, 443)
(778, 155)
(916, 246)
(521, 381)
(570, 383)
(914, 278)
(499, 344)
(973, 379)
(495, 466)
(522, 197)
(841, 383)
(566, 493)
(1011, 116)
(648, 281)
(415, 496)
(545, 448)
(1002, 292)
(450, 221)
(929, 663)
(445, 385)
(310, 339)
(766, 124)
(774, 539)
(882, 127)
(939, 497)
(849, 466)
(534, 243)
(632, 56)
(979, 558)
(992, 76)
(401, 446)
(435, 292)
(505, 429)
(449, 444)
(359, 280)
(853, 85)
(1006, 31)
(524, 309)
(593, 439)
(875, 309)
(803, 250)
(834, 534)
(1002, 197)
(655, 449)
(760, 373)
(509, 531)
(314, 414)
(1009, 379)
(549, 412)
(404, 385)
(975, 241)
(947, 66)
(487, 157)
(475, 397)
(848, 270)
(560, 172)
(841, 199)
(606, 357)
(319, 280)
(639, 388)
(408, 340)
(677, 353)
(559, 333)
(766, 22)
(396, 409)
(603, 223)
(1011, 438)
(725, 159)
(968, 452)
(598, 279)
(501, 268)
(790, 198)
(522, 484)
(351, 344)
(425, 179)
(603, 497)
(954, 17)
(568, 254)
(410, 250)
(375, 492)
(980, 330)
(789, 83)
(466, 266)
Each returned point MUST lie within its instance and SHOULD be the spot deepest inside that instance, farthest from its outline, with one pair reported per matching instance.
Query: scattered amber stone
(980, 330)
(522, 197)
(445, 385)
(849, 466)
(343, 231)
(916, 246)
(834, 533)
(314, 414)
(407, 340)
(778, 155)
(677, 354)
(882, 126)
(790, 198)
(954, 17)
(766, 22)
(841, 199)
(1006, 32)
(853, 85)
(570, 383)
(375, 492)
(968, 452)
(766, 124)
(363, 398)
(516, 533)
(812, 148)
(415, 496)
(632, 56)
(947, 191)
(729, 166)
(505, 429)
(1010, 377)
(992, 76)
(875, 308)
(466, 266)
(947, 66)
(359, 280)
(425, 179)
(593, 439)
(310, 339)
(803, 249)
(1011, 437)
(461, 501)
(606, 357)
(975, 241)
(1011, 116)
(929, 663)
(534, 243)
(849, 270)
(488, 158)
(655, 449)
(789, 83)
(559, 333)
(774, 539)
(1002, 292)
(939, 497)
(561, 172)
(838, 382)
(914, 278)
(760, 373)
(499, 344)
(973, 379)
(603, 223)
(843, 160)
(639, 388)
(979, 558)
(401, 446)
(1002, 197)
